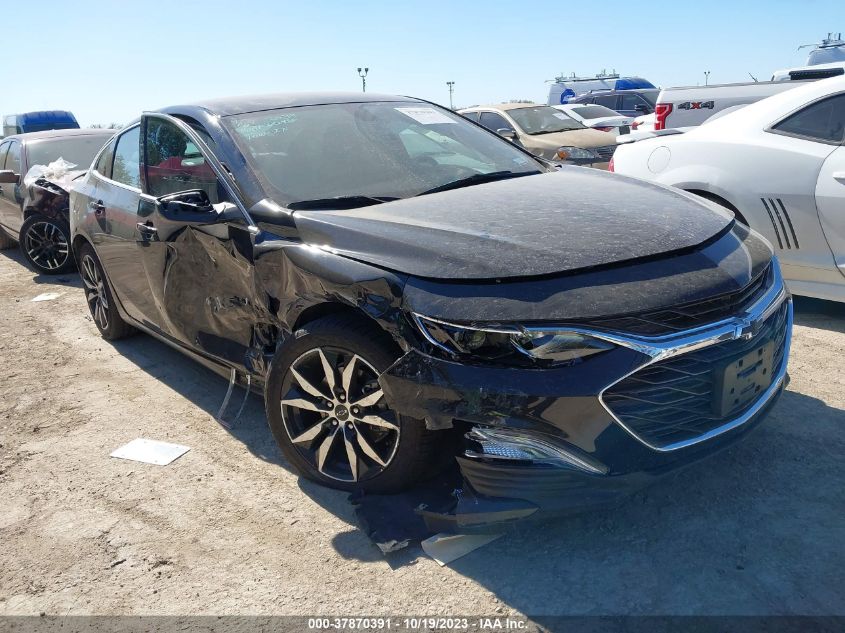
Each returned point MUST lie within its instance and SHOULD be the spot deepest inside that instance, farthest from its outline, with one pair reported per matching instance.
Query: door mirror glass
(641, 107)
(7, 176)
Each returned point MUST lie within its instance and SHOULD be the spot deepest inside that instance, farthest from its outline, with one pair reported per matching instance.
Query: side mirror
(194, 207)
(8, 177)
(506, 132)
(642, 108)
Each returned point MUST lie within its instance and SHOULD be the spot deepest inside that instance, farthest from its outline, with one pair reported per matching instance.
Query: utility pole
(451, 85)
(363, 76)
(706, 77)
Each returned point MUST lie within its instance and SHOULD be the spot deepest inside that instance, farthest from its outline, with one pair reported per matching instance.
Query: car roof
(227, 106)
(37, 136)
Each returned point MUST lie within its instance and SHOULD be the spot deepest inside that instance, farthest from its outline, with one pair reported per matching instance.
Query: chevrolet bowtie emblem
(746, 328)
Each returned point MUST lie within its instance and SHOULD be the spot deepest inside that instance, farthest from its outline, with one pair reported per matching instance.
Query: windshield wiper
(477, 179)
(340, 202)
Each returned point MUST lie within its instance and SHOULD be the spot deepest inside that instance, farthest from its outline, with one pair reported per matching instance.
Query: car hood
(586, 138)
(569, 220)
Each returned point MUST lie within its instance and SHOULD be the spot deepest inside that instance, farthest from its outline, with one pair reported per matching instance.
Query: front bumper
(594, 455)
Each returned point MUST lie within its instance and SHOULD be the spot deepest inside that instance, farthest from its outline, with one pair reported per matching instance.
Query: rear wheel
(99, 297)
(45, 244)
(6, 242)
(328, 414)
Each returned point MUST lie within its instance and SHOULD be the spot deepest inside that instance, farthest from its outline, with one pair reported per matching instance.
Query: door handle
(840, 176)
(147, 231)
(97, 207)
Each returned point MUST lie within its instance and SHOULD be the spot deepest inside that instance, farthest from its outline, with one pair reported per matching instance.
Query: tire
(6, 242)
(99, 297)
(387, 459)
(45, 244)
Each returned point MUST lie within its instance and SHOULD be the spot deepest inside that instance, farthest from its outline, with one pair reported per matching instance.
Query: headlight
(576, 153)
(511, 344)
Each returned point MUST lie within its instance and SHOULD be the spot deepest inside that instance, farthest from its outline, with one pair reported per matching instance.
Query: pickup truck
(693, 105)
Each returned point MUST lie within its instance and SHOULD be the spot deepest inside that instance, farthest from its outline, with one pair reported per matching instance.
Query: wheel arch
(720, 200)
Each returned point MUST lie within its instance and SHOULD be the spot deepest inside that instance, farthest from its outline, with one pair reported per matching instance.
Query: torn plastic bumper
(540, 442)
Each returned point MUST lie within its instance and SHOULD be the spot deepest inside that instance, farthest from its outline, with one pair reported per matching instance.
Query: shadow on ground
(754, 530)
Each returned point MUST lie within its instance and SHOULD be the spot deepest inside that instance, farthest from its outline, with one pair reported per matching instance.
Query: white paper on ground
(48, 296)
(444, 548)
(150, 451)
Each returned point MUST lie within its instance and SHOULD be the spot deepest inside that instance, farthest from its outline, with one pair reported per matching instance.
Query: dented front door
(200, 275)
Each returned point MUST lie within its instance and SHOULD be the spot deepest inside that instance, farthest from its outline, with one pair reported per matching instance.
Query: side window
(174, 163)
(494, 121)
(105, 160)
(608, 101)
(4, 147)
(631, 101)
(13, 158)
(820, 121)
(127, 166)
(472, 116)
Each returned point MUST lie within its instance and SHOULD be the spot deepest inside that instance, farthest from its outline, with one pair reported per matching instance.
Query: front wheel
(45, 244)
(328, 414)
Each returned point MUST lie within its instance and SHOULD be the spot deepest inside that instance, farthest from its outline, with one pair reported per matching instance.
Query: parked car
(598, 117)
(625, 102)
(546, 132)
(38, 122)
(386, 271)
(779, 165)
(36, 216)
(564, 88)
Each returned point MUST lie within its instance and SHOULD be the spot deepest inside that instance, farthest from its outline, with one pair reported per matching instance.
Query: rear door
(4, 187)
(113, 204)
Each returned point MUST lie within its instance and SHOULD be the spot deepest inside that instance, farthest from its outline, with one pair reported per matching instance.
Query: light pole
(706, 77)
(362, 73)
(451, 85)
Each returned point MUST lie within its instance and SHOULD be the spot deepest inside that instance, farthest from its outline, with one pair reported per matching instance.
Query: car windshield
(544, 120)
(369, 152)
(594, 111)
(78, 150)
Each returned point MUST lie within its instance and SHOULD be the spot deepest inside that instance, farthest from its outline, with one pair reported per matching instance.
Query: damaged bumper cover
(567, 438)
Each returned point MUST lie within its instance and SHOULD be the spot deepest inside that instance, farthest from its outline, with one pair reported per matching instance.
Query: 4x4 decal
(695, 105)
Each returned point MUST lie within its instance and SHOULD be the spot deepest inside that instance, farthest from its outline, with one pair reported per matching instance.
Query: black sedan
(36, 215)
(391, 273)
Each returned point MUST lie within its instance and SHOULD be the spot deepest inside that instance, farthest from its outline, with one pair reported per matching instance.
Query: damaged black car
(391, 275)
(37, 170)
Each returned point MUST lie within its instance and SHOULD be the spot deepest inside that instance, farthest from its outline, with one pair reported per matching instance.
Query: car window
(77, 150)
(544, 120)
(396, 149)
(4, 147)
(608, 101)
(631, 101)
(13, 158)
(104, 162)
(594, 111)
(126, 168)
(494, 121)
(820, 121)
(173, 163)
(472, 116)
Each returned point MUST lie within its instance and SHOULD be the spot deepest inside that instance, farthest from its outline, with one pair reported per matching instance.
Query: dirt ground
(228, 528)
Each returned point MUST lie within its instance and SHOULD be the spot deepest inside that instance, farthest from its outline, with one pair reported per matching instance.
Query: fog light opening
(511, 445)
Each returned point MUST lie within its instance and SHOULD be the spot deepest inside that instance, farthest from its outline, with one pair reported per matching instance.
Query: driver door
(196, 245)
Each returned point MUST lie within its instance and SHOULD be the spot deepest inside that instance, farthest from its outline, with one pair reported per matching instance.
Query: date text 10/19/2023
(419, 624)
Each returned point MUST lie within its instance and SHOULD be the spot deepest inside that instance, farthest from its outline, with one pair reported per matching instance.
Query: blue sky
(108, 61)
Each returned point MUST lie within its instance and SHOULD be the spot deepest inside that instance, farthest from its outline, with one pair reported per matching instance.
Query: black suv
(628, 102)
(391, 273)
